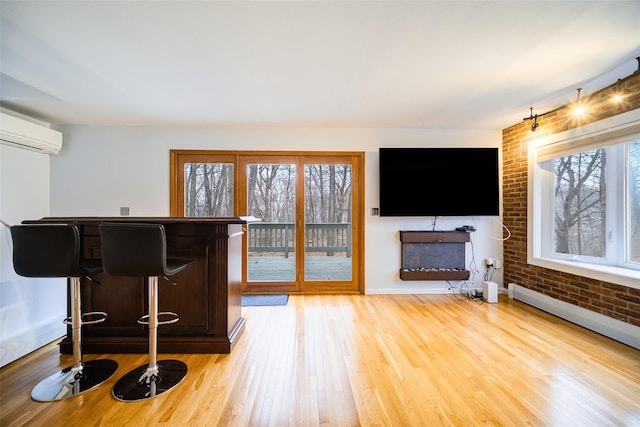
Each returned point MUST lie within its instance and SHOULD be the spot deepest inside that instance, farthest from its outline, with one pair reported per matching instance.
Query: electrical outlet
(124, 211)
(497, 264)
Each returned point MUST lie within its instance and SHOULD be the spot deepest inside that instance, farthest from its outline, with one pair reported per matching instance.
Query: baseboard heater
(604, 325)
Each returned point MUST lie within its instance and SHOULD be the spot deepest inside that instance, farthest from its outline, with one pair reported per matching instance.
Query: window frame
(615, 130)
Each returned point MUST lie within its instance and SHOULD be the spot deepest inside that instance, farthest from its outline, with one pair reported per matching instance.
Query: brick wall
(619, 302)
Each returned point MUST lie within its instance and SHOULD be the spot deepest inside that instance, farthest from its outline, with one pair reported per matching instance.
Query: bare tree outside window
(328, 189)
(208, 189)
(580, 204)
(271, 194)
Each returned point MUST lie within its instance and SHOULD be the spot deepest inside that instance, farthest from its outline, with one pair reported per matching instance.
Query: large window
(584, 205)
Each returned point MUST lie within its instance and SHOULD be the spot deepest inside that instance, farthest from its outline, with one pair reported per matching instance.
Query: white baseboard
(605, 325)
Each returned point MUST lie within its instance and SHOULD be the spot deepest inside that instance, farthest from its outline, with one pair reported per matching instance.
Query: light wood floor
(431, 360)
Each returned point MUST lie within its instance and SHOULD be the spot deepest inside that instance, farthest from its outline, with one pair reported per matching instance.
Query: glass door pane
(328, 222)
(208, 189)
(271, 196)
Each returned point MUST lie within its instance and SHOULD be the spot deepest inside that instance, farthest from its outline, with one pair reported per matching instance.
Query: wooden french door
(310, 237)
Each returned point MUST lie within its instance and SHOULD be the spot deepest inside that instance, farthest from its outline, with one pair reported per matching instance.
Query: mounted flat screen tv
(439, 182)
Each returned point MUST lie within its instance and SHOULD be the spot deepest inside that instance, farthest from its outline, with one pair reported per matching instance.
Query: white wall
(103, 168)
(31, 310)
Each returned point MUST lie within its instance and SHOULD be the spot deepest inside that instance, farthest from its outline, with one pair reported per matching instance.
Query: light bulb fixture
(534, 117)
(619, 94)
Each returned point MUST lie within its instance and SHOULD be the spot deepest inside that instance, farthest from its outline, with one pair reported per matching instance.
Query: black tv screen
(439, 182)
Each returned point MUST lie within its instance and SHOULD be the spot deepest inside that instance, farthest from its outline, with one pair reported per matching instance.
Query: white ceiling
(428, 64)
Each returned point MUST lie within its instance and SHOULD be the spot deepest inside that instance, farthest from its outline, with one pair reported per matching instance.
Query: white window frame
(614, 130)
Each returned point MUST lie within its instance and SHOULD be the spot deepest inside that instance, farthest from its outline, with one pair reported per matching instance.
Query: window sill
(617, 275)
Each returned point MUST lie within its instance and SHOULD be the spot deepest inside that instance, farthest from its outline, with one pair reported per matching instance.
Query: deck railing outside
(330, 238)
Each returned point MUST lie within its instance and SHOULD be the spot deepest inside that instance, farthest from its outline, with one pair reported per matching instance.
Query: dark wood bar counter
(207, 295)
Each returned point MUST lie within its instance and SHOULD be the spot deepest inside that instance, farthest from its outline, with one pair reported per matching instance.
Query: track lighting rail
(534, 117)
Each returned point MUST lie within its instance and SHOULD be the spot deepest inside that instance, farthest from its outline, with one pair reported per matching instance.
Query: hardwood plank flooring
(378, 360)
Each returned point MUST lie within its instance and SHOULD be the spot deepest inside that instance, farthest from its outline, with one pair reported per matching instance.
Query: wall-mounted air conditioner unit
(22, 133)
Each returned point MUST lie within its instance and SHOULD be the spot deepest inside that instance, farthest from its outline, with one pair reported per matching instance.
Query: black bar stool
(140, 249)
(53, 250)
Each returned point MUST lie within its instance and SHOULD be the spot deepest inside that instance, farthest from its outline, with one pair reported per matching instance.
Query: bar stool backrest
(47, 250)
(135, 249)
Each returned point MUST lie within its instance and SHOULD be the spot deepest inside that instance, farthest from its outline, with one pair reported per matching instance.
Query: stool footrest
(144, 320)
(102, 316)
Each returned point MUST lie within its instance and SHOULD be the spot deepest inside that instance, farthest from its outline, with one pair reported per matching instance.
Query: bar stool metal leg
(79, 377)
(153, 379)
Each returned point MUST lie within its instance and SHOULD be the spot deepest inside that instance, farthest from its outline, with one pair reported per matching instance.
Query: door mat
(264, 300)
